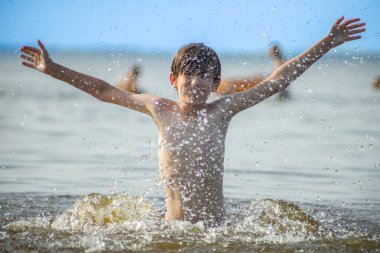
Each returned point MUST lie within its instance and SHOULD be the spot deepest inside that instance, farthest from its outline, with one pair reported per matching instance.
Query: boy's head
(197, 59)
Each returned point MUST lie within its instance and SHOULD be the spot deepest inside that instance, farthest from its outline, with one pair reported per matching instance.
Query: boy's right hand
(340, 33)
(38, 59)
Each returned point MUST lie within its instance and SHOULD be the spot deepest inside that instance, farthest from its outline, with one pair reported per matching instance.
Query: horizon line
(6, 47)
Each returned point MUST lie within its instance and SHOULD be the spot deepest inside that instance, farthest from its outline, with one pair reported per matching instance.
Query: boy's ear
(173, 80)
(216, 85)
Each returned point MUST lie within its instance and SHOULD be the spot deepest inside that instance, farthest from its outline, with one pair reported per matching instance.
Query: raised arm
(40, 60)
(283, 76)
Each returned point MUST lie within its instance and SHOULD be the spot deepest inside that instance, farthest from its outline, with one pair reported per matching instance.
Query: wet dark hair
(196, 59)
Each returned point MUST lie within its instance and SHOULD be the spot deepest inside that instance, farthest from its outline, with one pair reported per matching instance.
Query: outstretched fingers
(355, 26)
(42, 47)
(353, 38)
(30, 61)
(350, 27)
(30, 50)
(337, 22)
(345, 30)
(27, 64)
(351, 32)
(350, 21)
(30, 54)
(26, 57)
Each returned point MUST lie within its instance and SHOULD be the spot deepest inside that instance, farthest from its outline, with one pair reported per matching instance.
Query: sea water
(77, 174)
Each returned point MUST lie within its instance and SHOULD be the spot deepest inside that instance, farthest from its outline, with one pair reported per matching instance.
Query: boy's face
(193, 90)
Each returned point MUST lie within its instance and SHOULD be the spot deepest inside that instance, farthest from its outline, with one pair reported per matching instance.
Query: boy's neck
(191, 109)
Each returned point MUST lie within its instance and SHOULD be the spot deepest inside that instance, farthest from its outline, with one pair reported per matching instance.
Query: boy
(191, 131)
(226, 87)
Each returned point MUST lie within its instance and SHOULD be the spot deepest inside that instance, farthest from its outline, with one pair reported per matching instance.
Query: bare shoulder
(234, 103)
(163, 107)
(222, 107)
(145, 103)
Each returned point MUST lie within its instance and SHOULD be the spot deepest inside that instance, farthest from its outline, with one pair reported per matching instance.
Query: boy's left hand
(38, 59)
(343, 32)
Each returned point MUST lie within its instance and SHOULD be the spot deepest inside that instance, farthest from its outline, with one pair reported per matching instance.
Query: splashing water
(95, 210)
(124, 222)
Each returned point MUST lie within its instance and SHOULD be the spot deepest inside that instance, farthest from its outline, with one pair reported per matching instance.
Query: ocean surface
(301, 174)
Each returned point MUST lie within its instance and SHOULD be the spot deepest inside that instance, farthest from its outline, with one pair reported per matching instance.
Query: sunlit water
(80, 175)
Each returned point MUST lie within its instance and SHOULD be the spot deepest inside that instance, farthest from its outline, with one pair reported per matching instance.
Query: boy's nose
(196, 82)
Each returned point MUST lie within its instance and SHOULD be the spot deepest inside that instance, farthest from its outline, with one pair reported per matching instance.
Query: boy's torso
(191, 161)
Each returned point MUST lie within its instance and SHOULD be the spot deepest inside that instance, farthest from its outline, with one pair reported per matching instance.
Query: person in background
(130, 81)
(376, 82)
(230, 86)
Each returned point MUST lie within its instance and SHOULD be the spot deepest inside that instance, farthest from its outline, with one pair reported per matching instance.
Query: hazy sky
(168, 24)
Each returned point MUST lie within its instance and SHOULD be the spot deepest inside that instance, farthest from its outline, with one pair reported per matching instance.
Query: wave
(123, 221)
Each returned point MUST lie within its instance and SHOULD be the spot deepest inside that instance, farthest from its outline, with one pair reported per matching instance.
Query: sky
(169, 24)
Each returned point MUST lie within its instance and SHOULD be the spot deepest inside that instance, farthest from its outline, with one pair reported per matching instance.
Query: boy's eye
(203, 75)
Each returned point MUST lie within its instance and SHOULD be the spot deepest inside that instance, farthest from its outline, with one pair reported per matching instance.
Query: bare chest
(195, 134)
